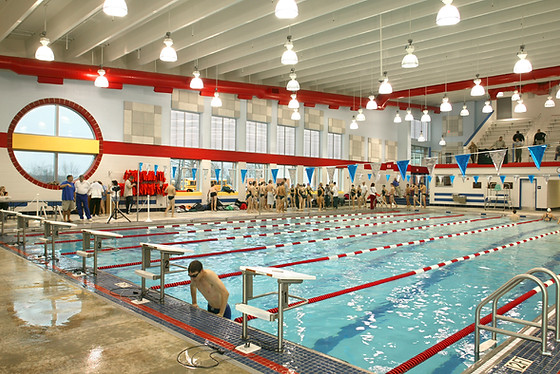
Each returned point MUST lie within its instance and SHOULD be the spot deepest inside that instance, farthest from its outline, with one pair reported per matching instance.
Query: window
(284, 173)
(416, 127)
(257, 137)
(185, 129)
(52, 140)
(334, 145)
(418, 154)
(227, 173)
(222, 133)
(286, 140)
(310, 143)
(257, 172)
(185, 175)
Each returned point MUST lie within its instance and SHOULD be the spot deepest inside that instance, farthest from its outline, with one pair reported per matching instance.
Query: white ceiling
(337, 42)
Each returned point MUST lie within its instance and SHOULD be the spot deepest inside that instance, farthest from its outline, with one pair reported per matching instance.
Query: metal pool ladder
(504, 289)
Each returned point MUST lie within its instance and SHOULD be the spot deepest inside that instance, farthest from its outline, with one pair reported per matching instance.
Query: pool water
(375, 328)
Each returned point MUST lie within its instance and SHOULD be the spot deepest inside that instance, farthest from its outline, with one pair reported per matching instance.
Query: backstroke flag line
(462, 161)
(402, 167)
(498, 158)
(352, 171)
(537, 153)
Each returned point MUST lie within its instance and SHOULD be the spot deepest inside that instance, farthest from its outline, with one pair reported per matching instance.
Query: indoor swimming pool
(375, 302)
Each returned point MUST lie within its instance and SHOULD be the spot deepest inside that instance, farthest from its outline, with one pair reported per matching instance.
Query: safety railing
(494, 299)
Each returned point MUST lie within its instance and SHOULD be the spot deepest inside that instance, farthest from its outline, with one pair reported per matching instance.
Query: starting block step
(44, 239)
(84, 254)
(256, 312)
(146, 274)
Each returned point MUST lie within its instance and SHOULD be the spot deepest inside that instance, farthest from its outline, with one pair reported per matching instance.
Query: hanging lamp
(421, 137)
(293, 84)
(385, 87)
(522, 65)
(500, 94)
(487, 107)
(286, 9)
(353, 124)
(101, 80)
(549, 103)
(293, 104)
(464, 111)
(426, 116)
(448, 14)
(442, 141)
(115, 8)
(520, 107)
(410, 60)
(515, 96)
(361, 116)
(558, 94)
(478, 90)
(409, 116)
(168, 53)
(296, 116)
(445, 105)
(371, 104)
(216, 101)
(196, 81)
(289, 57)
(44, 52)
(397, 118)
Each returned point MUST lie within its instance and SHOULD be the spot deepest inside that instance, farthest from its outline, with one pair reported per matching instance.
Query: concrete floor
(48, 325)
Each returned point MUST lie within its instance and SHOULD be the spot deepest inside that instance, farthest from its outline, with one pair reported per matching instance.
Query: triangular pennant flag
(440, 178)
(452, 178)
(531, 178)
(537, 153)
(408, 178)
(193, 170)
(274, 174)
(516, 178)
(243, 175)
(388, 176)
(330, 173)
(292, 173)
(398, 178)
(377, 176)
(375, 167)
(369, 176)
(462, 161)
(429, 179)
(155, 169)
(475, 179)
(418, 179)
(217, 171)
(352, 171)
(502, 178)
(173, 171)
(140, 166)
(546, 178)
(431, 164)
(310, 171)
(498, 157)
(402, 167)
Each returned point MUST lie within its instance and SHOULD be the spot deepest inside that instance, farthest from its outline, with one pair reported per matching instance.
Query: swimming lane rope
(421, 270)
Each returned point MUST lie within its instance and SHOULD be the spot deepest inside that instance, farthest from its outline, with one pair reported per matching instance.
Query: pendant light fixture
(296, 116)
(168, 53)
(500, 94)
(421, 137)
(101, 80)
(442, 141)
(445, 105)
(549, 103)
(44, 52)
(361, 116)
(115, 8)
(464, 111)
(353, 124)
(196, 81)
(515, 96)
(522, 65)
(410, 60)
(425, 117)
(293, 84)
(286, 9)
(478, 90)
(289, 57)
(385, 87)
(397, 118)
(448, 14)
(409, 116)
(558, 94)
(520, 107)
(293, 104)
(216, 101)
(487, 107)
(372, 104)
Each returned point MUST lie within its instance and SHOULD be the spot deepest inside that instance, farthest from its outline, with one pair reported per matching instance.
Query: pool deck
(105, 331)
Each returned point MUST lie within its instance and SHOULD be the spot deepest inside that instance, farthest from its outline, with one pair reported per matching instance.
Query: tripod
(116, 212)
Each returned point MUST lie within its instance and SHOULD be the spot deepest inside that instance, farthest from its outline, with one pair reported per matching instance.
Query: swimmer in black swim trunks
(171, 192)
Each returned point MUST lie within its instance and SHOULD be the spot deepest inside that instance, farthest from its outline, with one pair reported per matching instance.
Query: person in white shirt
(96, 193)
(129, 197)
(335, 195)
(364, 193)
(372, 196)
(82, 190)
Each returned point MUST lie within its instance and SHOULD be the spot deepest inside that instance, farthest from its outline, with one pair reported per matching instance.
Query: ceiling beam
(12, 13)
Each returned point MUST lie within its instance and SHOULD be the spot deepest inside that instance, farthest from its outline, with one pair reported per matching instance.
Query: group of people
(75, 195)
(518, 142)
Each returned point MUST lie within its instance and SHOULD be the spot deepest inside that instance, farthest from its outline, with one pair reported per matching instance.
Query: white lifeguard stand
(284, 278)
(97, 236)
(164, 265)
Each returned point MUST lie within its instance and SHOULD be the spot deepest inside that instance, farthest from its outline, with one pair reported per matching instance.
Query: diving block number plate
(256, 312)
(277, 273)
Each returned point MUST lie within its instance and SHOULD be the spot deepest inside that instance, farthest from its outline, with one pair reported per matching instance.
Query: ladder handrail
(504, 289)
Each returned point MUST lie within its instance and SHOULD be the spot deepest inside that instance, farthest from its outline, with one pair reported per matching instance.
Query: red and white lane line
(336, 257)
(270, 234)
(418, 271)
(272, 246)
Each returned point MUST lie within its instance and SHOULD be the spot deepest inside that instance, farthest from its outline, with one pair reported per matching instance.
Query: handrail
(504, 289)
(477, 129)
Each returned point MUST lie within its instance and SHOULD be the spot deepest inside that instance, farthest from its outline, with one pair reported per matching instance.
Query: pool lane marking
(242, 221)
(271, 246)
(454, 338)
(193, 241)
(421, 270)
(336, 257)
(236, 228)
(182, 325)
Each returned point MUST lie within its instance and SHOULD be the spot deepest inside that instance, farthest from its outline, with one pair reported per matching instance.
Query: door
(527, 194)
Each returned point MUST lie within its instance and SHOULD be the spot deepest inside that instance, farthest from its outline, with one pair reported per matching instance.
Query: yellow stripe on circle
(43, 143)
